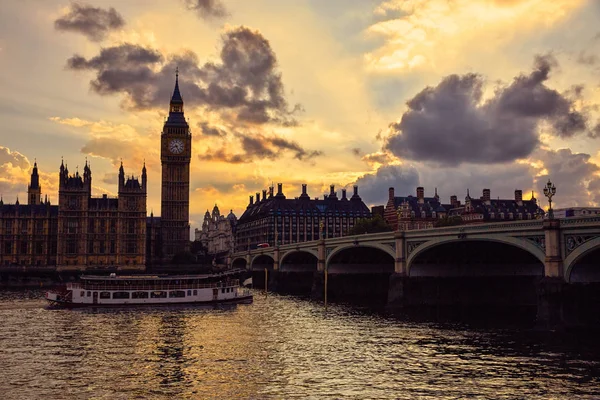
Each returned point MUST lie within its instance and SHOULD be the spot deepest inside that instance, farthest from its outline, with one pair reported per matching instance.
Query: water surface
(278, 348)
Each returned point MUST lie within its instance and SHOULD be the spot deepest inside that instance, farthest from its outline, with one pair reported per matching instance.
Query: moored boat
(124, 290)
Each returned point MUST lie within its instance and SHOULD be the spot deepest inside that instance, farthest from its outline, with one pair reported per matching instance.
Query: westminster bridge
(531, 262)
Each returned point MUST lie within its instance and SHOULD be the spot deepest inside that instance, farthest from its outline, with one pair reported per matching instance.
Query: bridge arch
(379, 260)
(299, 260)
(578, 255)
(520, 243)
(377, 246)
(261, 261)
(239, 262)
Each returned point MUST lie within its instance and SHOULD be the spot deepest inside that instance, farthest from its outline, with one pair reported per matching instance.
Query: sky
(455, 95)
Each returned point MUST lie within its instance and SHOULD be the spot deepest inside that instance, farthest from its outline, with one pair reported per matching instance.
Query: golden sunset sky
(453, 95)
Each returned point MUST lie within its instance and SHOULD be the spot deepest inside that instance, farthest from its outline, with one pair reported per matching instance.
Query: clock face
(176, 146)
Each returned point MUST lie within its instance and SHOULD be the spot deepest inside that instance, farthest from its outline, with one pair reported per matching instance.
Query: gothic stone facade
(80, 233)
(217, 233)
(175, 156)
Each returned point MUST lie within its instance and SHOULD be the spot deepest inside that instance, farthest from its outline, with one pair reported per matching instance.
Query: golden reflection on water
(277, 348)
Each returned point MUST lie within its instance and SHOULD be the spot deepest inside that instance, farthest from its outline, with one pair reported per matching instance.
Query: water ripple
(277, 348)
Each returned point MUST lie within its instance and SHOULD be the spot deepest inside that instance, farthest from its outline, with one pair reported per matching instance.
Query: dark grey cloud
(93, 22)
(594, 189)
(450, 124)
(245, 82)
(356, 151)
(207, 9)
(373, 188)
(594, 133)
(571, 173)
(260, 147)
(208, 130)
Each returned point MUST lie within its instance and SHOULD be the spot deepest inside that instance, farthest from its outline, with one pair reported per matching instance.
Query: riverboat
(124, 290)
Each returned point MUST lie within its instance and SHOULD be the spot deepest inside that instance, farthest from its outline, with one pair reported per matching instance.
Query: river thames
(279, 348)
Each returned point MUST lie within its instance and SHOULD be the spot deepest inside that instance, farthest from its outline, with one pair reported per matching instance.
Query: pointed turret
(144, 177)
(176, 98)
(34, 191)
(121, 177)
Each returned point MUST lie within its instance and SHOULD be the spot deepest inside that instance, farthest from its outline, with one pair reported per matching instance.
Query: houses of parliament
(84, 232)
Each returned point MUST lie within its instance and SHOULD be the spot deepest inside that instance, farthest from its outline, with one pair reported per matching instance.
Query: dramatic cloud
(259, 147)
(207, 9)
(95, 23)
(245, 82)
(209, 130)
(373, 188)
(451, 124)
(572, 173)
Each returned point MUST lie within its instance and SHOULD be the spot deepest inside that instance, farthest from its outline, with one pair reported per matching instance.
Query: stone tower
(34, 190)
(175, 155)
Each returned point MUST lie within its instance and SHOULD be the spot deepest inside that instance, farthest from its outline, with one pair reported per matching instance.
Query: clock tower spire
(175, 156)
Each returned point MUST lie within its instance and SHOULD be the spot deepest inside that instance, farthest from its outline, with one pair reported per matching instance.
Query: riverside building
(273, 219)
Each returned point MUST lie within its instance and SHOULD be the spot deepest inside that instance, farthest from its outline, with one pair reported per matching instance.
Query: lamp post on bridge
(549, 192)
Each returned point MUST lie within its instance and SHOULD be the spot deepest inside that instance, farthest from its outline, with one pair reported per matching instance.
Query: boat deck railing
(141, 286)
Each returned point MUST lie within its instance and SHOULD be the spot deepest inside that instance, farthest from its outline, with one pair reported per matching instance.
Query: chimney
(355, 196)
(304, 195)
(279, 189)
(332, 193)
(454, 201)
(421, 194)
(519, 197)
(251, 200)
(344, 194)
(486, 195)
(270, 191)
(264, 196)
(391, 193)
(257, 197)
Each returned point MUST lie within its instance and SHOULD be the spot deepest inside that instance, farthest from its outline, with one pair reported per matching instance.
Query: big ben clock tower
(175, 155)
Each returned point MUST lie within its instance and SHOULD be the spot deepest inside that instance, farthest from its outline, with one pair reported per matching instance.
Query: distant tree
(370, 225)
(449, 221)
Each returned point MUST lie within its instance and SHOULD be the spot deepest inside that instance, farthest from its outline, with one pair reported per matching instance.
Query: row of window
(144, 295)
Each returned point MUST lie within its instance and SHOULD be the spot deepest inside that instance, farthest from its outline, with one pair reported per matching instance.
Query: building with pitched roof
(274, 219)
(420, 212)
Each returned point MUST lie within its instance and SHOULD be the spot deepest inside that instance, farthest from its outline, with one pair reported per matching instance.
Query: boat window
(82, 293)
(139, 295)
(189, 292)
(223, 290)
(177, 293)
(120, 295)
(158, 295)
(195, 293)
(105, 295)
(89, 294)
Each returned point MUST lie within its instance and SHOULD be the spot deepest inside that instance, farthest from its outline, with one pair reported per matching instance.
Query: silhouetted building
(410, 212)
(29, 232)
(486, 209)
(275, 220)
(420, 212)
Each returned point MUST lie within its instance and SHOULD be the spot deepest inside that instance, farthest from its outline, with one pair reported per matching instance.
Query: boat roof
(115, 277)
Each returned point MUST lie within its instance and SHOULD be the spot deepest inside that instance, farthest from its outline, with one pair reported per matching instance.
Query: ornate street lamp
(549, 192)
